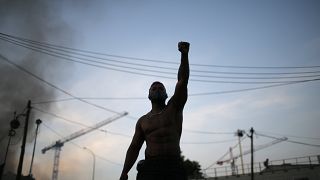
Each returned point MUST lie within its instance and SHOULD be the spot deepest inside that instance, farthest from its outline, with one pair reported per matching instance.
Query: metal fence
(260, 167)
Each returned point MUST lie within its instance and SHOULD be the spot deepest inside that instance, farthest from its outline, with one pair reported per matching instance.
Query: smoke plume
(37, 20)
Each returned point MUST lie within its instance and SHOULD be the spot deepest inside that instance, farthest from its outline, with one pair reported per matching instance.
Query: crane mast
(57, 145)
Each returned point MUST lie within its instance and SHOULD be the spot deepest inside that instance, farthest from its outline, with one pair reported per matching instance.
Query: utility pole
(14, 124)
(251, 137)
(24, 141)
(11, 133)
(240, 135)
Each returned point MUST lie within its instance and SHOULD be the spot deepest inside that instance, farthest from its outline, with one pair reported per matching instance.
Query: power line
(98, 156)
(90, 98)
(124, 135)
(224, 155)
(36, 48)
(85, 55)
(54, 86)
(302, 143)
(137, 64)
(294, 136)
(60, 55)
(78, 123)
(295, 142)
(94, 65)
(251, 89)
(109, 161)
(51, 129)
(192, 94)
(117, 134)
(207, 132)
(149, 60)
(209, 142)
(128, 136)
(60, 117)
(239, 90)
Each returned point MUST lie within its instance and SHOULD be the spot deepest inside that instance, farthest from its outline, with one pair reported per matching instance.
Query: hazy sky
(232, 38)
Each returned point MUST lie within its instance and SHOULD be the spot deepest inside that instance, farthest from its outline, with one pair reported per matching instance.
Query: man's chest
(159, 122)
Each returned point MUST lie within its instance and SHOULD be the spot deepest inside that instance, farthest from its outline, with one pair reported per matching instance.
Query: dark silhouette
(161, 129)
(266, 163)
(192, 169)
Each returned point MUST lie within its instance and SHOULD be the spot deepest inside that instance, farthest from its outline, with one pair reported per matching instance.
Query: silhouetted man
(161, 128)
(266, 163)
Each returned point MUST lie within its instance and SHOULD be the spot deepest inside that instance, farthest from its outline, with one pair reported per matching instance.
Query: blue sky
(225, 33)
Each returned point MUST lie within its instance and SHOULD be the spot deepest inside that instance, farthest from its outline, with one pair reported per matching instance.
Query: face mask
(158, 96)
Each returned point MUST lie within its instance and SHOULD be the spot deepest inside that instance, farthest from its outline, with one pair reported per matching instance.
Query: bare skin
(161, 128)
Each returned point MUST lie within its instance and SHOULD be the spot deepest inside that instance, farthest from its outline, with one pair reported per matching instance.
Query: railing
(259, 167)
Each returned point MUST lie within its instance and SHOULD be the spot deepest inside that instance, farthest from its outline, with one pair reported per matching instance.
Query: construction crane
(233, 158)
(59, 143)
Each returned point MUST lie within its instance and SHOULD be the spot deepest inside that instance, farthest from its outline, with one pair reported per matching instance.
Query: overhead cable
(54, 86)
(36, 48)
(78, 123)
(295, 142)
(191, 94)
(143, 59)
(294, 136)
(254, 88)
(206, 132)
(63, 56)
(209, 142)
(115, 68)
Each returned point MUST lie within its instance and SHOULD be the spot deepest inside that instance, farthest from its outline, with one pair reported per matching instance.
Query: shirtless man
(161, 128)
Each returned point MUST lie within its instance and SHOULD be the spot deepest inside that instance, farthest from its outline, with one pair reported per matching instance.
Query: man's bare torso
(162, 132)
(161, 128)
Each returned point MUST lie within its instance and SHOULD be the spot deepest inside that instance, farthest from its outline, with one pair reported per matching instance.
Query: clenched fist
(183, 47)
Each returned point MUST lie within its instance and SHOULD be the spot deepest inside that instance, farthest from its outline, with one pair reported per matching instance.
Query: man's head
(157, 92)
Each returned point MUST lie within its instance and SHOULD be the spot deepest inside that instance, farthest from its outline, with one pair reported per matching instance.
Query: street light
(38, 122)
(94, 161)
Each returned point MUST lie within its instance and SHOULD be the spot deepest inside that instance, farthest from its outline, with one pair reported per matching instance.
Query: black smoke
(37, 20)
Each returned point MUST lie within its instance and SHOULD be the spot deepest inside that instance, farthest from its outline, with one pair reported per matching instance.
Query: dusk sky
(253, 64)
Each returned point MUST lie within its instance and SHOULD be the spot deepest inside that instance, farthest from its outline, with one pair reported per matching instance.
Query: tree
(192, 168)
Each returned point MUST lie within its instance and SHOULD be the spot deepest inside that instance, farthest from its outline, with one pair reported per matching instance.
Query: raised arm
(133, 151)
(181, 92)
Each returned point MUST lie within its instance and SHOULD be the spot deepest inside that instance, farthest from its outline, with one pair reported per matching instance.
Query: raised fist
(183, 47)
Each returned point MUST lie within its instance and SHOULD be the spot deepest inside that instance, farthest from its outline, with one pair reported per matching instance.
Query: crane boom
(82, 132)
(59, 143)
(257, 148)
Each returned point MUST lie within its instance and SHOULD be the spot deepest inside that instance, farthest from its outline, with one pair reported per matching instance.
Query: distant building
(301, 168)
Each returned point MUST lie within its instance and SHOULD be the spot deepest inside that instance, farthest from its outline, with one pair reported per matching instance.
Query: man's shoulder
(174, 105)
(143, 117)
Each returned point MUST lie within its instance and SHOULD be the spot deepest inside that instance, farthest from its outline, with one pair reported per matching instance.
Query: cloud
(226, 113)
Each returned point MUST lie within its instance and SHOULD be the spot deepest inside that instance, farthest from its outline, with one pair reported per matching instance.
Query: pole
(11, 133)
(38, 122)
(240, 134)
(24, 141)
(94, 161)
(251, 137)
